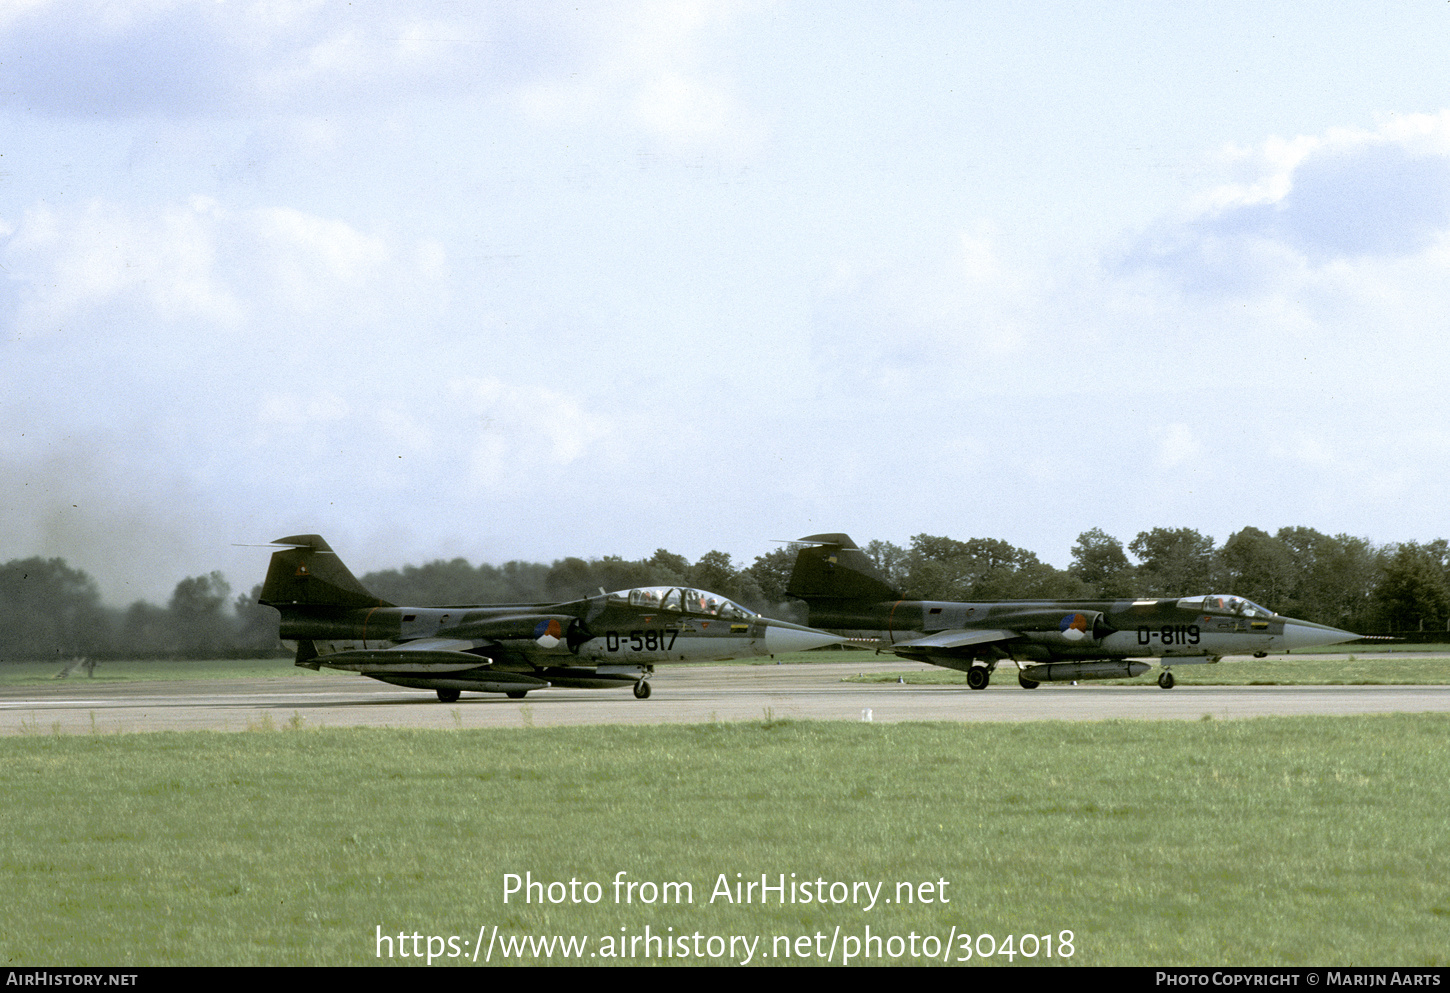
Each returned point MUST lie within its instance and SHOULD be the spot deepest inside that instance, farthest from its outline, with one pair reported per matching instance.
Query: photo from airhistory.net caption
(842, 945)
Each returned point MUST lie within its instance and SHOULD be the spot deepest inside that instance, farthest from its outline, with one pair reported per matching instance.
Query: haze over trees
(46, 607)
(50, 610)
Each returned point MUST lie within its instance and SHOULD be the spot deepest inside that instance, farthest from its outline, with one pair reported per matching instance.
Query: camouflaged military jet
(605, 641)
(1048, 640)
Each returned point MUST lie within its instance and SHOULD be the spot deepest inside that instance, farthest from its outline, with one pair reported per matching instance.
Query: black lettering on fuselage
(1169, 634)
(641, 640)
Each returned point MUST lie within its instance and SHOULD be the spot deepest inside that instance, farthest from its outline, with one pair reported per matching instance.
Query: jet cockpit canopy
(683, 600)
(1222, 603)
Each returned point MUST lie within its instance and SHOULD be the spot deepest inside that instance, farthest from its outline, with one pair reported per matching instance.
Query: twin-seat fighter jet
(1049, 640)
(609, 640)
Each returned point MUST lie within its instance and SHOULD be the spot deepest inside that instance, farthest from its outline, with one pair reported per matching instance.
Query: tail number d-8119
(1169, 634)
(641, 641)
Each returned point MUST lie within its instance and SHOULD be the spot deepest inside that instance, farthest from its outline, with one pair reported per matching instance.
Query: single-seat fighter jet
(609, 640)
(1048, 640)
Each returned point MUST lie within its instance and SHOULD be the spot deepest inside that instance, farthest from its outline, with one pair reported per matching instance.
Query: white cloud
(383, 49)
(1177, 446)
(314, 261)
(1307, 202)
(183, 59)
(200, 262)
(646, 63)
(512, 430)
(967, 307)
(69, 263)
(303, 412)
(646, 66)
(465, 440)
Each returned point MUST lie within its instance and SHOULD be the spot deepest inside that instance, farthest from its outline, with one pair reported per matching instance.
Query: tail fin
(308, 572)
(831, 567)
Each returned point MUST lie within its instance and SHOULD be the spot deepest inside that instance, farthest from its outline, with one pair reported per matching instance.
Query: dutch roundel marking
(1074, 627)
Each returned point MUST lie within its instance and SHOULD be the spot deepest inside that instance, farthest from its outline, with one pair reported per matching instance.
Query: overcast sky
(527, 280)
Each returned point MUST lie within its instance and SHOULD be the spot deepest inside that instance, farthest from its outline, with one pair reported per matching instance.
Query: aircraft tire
(1027, 684)
(447, 696)
(977, 677)
(641, 690)
(1166, 680)
(516, 694)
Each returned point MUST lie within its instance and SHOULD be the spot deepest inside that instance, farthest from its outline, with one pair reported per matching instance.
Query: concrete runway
(681, 695)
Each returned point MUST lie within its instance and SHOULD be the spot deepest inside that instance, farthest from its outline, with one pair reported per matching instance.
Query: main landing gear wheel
(447, 696)
(1027, 684)
(1165, 679)
(516, 694)
(641, 690)
(977, 677)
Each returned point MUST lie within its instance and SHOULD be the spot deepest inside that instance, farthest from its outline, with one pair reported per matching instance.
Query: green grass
(1278, 670)
(1269, 841)
(132, 670)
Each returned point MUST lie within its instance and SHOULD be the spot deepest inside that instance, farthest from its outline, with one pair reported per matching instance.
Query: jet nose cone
(1307, 634)
(782, 636)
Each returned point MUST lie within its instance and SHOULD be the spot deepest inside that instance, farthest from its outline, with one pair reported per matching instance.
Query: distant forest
(49, 610)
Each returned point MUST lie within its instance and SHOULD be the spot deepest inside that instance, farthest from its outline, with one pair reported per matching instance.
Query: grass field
(1269, 841)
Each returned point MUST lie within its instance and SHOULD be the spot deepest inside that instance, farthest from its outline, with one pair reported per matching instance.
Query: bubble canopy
(1222, 603)
(682, 600)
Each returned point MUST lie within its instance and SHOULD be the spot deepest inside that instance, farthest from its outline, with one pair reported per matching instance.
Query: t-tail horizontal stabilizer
(831, 567)
(308, 572)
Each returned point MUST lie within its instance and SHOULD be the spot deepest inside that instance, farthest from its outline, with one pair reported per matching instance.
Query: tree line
(50, 610)
(1339, 579)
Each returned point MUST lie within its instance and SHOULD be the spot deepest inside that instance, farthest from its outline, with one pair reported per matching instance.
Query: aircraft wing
(457, 646)
(945, 641)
